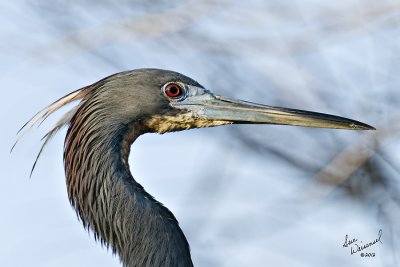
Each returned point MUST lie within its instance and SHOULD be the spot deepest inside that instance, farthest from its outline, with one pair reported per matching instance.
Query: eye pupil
(173, 90)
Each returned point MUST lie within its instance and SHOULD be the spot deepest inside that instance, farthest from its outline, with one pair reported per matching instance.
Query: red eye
(173, 90)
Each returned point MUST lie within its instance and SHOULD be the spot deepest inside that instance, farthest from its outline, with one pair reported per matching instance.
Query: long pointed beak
(236, 111)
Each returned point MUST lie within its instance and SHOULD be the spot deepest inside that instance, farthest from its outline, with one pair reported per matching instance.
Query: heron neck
(120, 212)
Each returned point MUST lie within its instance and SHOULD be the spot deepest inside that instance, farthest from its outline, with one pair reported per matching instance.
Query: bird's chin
(165, 123)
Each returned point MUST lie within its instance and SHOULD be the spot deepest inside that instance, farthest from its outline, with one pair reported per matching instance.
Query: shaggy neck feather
(113, 205)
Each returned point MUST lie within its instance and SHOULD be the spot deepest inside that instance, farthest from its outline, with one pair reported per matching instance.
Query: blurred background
(244, 195)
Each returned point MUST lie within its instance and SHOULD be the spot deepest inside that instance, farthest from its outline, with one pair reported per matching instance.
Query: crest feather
(42, 115)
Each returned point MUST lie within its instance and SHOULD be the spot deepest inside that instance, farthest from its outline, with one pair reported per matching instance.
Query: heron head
(165, 101)
(169, 101)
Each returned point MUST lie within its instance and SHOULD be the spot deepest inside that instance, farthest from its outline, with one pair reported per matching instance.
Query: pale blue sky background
(244, 195)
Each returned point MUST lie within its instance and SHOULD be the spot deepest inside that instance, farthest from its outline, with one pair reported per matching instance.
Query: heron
(109, 116)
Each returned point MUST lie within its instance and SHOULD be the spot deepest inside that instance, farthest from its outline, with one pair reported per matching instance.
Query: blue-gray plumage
(110, 115)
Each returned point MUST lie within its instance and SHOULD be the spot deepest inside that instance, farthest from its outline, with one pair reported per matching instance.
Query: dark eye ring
(174, 90)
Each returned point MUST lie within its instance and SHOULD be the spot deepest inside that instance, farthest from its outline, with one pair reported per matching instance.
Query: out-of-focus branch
(329, 23)
(349, 160)
(148, 26)
(355, 156)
